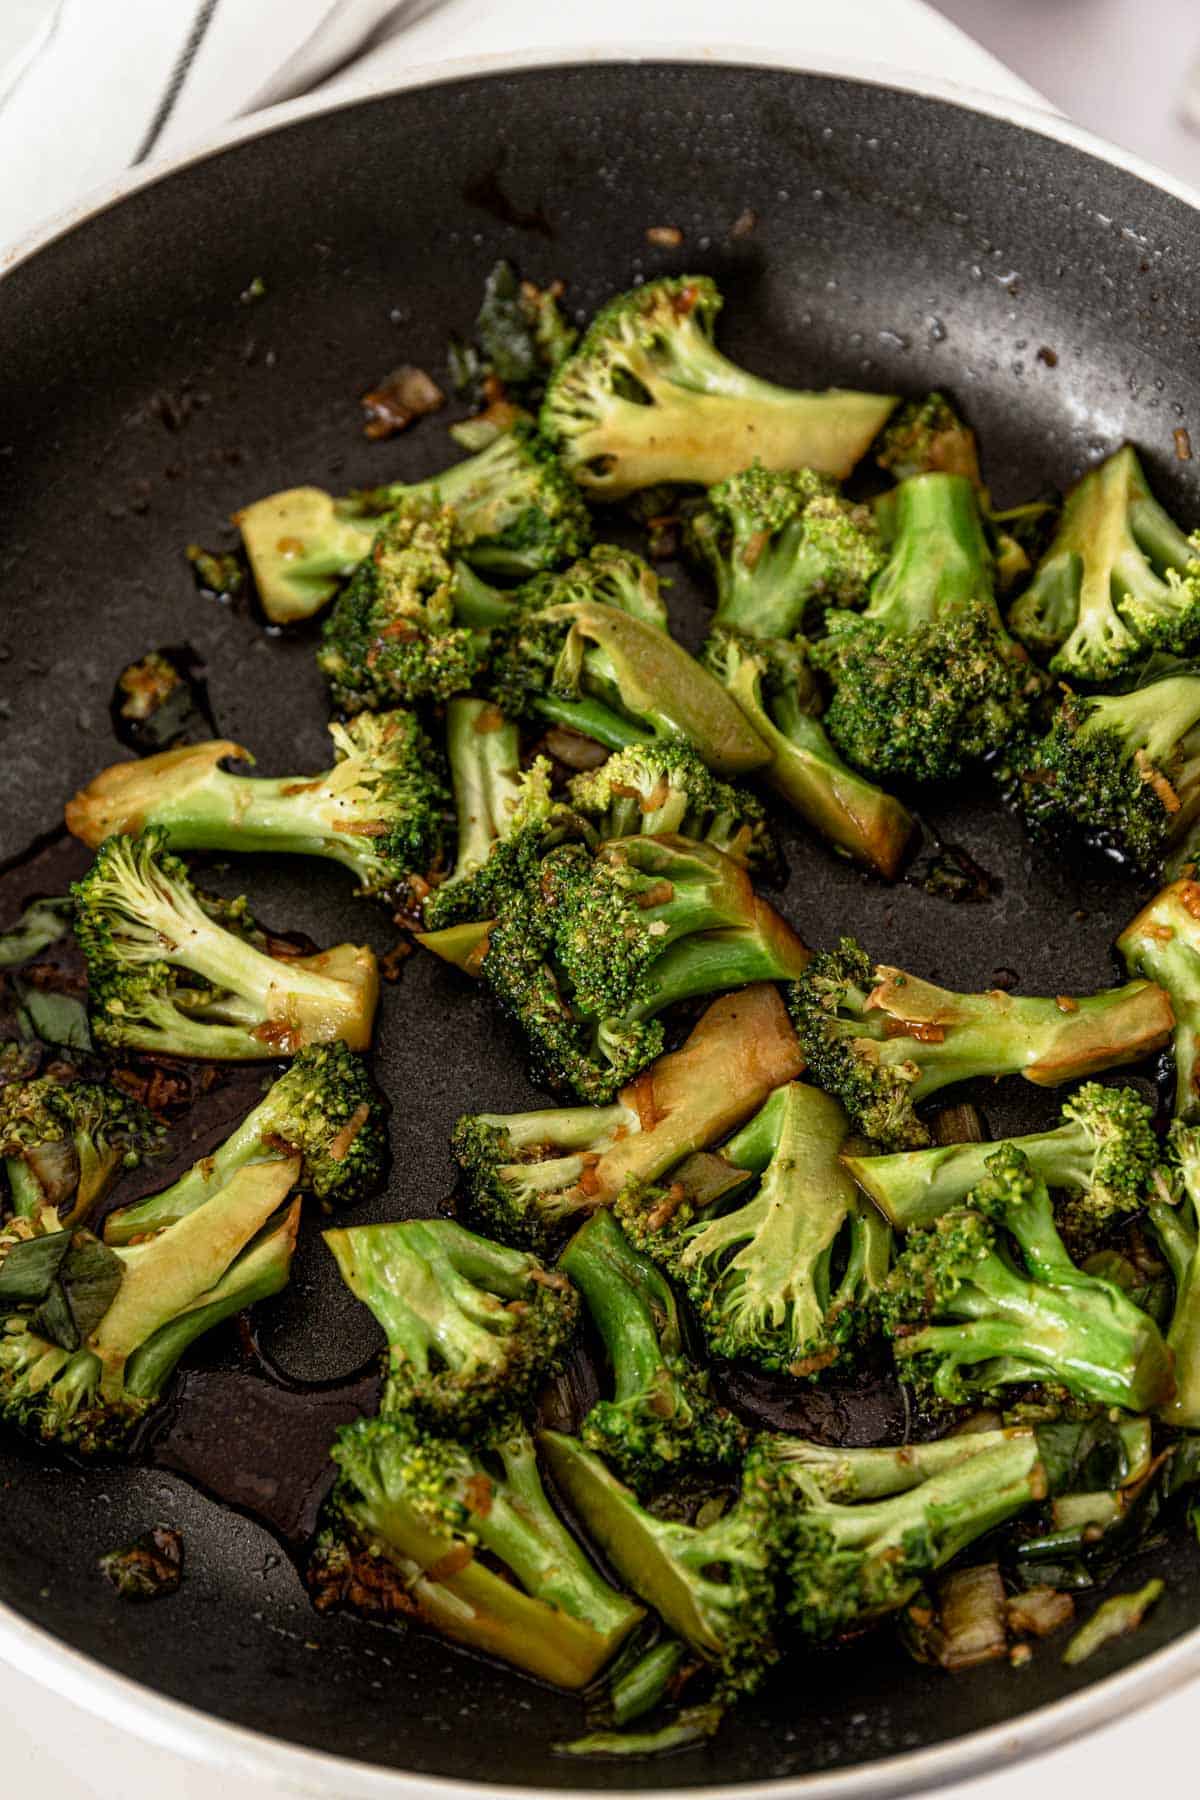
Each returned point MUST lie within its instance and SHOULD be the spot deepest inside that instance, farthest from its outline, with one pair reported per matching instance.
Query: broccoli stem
(868, 1474)
(939, 561)
(629, 1302)
(646, 1685)
(591, 718)
(1181, 1245)
(1163, 943)
(26, 1198)
(477, 605)
(714, 960)
(915, 1187)
(485, 767)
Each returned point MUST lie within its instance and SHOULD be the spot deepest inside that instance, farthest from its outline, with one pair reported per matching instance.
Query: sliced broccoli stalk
(778, 542)
(648, 398)
(471, 1327)
(1117, 581)
(514, 509)
(1175, 1222)
(788, 1277)
(1163, 943)
(324, 1108)
(64, 1144)
(380, 811)
(506, 819)
(927, 680)
(988, 1296)
(596, 947)
(83, 1362)
(578, 657)
(1104, 1155)
(854, 1554)
(414, 1511)
(712, 1585)
(1122, 769)
(660, 1418)
(777, 694)
(301, 544)
(166, 975)
(530, 1174)
(925, 437)
(665, 787)
(882, 1040)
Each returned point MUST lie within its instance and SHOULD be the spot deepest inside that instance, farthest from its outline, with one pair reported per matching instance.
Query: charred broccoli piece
(1119, 579)
(514, 511)
(927, 680)
(589, 652)
(713, 1584)
(925, 437)
(471, 1327)
(665, 787)
(63, 1144)
(91, 1334)
(775, 689)
(1103, 1155)
(779, 543)
(789, 1276)
(1175, 1222)
(988, 1297)
(882, 1040)
(597, 946)
(324, 1109)
(1123, 770)
(173, 971)
(862, 1529)
(530, 1174)
(648, 398)
(380, 811)
(465, 1542)
(660, 1417)
(1163, 943)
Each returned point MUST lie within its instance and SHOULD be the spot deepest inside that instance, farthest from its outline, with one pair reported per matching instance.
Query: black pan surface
(897, 242)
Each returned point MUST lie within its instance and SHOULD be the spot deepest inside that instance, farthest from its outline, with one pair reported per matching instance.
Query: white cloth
(99, 84)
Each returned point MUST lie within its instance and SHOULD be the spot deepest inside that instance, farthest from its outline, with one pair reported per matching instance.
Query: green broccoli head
(778, 543)
(1118, 580)
(63, 1144)
(665, 787)
(925, 437)
(1123, 770)
(648, 398)
(471, 1327)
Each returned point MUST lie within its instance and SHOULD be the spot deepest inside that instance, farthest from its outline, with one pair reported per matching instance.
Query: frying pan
(898, 240)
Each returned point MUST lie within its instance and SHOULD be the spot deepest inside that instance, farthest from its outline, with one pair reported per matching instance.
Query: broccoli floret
(712, 1584)
(381, 810)
(779, 542)
(927, 680)
(863, 1528)
(91, 1335)
(1119, 579)
(514, 510)
(665, 787)
(63, 1144)
(394, 634)
(661, 1417)
(1103, 1156)
(648, 398)
(597, 946)
(1163, 943)
(323, 1108)
(1122, 769)
(882, 1040)
(506, 818)
(530, 1174)
(789, 1276)
(1175, 1222)
(989, 1297)
(776, 691)
(408, 1526)
(925, 437)
(471, 1327)
(172, 971)
(588, 653)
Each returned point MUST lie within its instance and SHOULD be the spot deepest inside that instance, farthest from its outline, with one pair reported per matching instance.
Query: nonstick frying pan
(884, 238)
